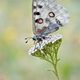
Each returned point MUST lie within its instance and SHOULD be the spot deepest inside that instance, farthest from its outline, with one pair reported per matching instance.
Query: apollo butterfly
(47, 17)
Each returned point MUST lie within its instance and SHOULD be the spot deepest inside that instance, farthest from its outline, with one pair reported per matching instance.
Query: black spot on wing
(36, 13)
(40, 6)
(56, 28)
(58, 22)
(36, 21)
(34, 7)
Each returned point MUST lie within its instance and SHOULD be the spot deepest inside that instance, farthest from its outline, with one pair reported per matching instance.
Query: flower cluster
(40, 46)
(48, 50)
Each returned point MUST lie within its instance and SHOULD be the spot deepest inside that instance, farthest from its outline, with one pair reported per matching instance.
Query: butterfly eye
(40, 20)
(51, 14)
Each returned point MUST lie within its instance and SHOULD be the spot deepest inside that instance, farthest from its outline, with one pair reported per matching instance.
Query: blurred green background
(16, 24)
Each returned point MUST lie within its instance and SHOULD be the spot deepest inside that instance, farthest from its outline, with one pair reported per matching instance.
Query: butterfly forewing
(48, 16)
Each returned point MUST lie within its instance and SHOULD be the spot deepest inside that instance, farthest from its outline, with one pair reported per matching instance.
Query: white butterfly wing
(48, 16)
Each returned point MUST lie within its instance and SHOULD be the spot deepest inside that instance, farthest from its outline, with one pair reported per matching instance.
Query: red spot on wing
(40, 20)
(39, 31)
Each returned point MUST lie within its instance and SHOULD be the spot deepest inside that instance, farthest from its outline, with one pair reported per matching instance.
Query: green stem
(55, 71)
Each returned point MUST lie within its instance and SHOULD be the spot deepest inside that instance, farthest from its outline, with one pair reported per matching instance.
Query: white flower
(40, 45)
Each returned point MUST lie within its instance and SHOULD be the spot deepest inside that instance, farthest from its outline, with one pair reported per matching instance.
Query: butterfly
(47, 17)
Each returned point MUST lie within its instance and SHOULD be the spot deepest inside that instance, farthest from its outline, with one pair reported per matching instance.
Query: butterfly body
(39, 38)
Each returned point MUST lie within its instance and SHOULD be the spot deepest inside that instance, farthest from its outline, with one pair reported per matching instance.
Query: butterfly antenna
(27, 39)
